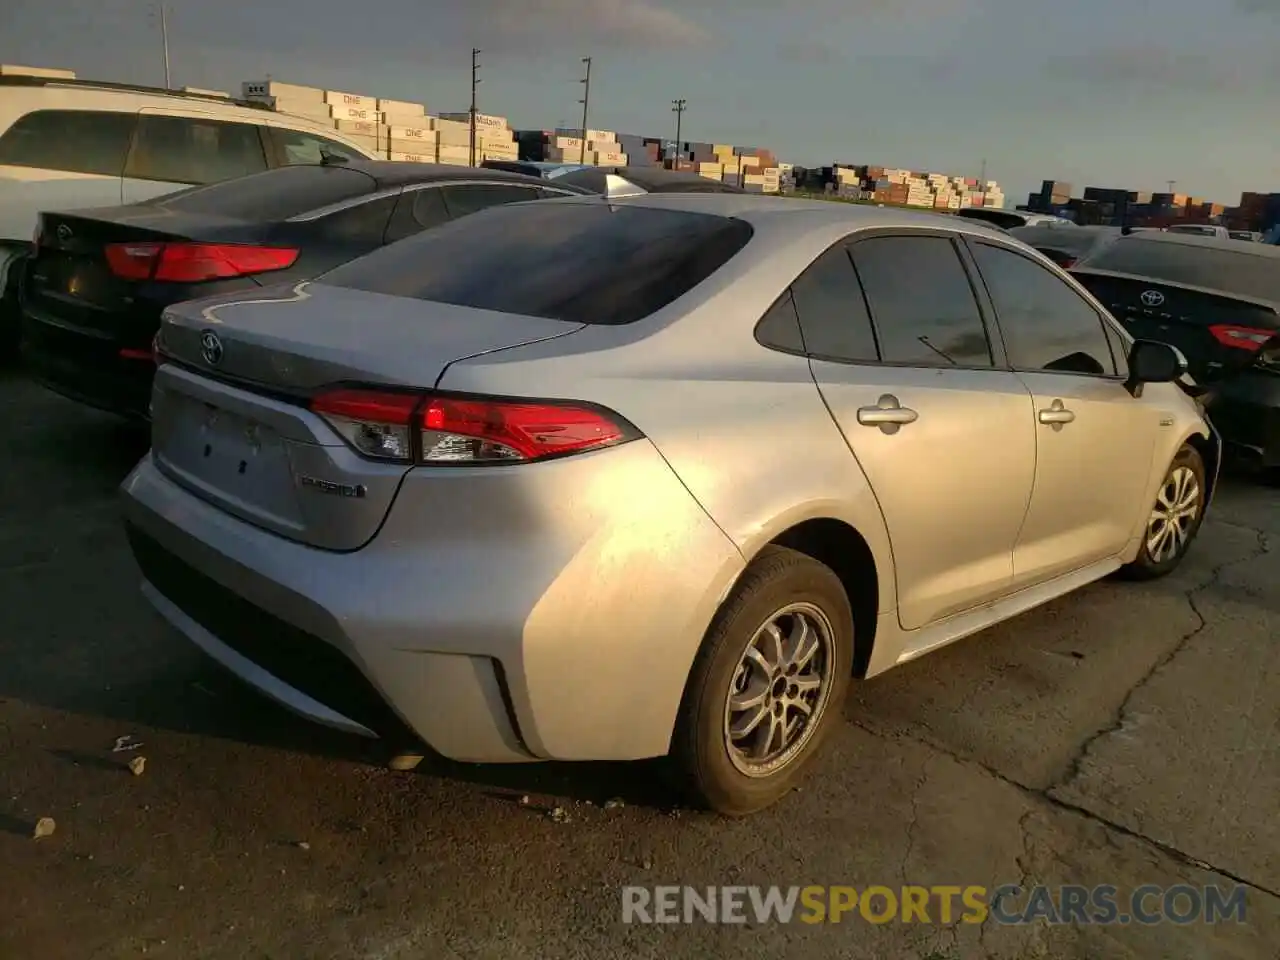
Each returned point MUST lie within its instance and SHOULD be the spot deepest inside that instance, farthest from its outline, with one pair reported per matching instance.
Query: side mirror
(1151, 361)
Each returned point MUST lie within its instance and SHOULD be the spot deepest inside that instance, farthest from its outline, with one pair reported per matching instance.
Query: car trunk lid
(1219, 332)
(70, 280)
(230, 416)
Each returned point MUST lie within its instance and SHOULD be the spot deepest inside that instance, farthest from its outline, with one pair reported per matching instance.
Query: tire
(1151, 563)
(784, 588)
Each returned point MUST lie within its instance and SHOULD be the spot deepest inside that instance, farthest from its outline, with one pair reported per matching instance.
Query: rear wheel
(1175, 518)
(767, 685)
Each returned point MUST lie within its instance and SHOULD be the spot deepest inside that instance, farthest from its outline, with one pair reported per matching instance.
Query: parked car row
(472, 458)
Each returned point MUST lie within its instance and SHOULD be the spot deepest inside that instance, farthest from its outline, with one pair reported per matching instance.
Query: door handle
(1057, 413)
(888, 414)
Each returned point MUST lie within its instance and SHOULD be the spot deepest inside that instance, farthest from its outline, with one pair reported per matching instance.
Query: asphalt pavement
(1126, 735)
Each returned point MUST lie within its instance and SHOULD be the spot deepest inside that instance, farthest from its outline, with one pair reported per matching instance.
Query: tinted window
(1046, 324)
(1119, 348)
(194, 150)
(921, 302)
(1236, 270)
(73, 141)
(365, 223)
(780, 326)
(581, 262)
(429, 209)
(296, 147)
(273, 195)
(466, 200)
(833, 314)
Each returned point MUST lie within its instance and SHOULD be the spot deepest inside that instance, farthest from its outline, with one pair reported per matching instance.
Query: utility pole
(586, 97)
(164, 34)
(1171, 184)
(475, 82)
(678, 107)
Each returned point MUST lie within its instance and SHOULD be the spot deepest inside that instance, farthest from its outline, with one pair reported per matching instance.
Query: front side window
(1046, 324)
(194, 150)
(70, 141)
(921, 302)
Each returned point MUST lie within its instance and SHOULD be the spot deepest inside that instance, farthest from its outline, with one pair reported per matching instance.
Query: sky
(1111, 93)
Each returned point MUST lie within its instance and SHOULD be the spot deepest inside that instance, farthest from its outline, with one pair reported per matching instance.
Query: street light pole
(475, 82)
(678, 107)
(586, 98)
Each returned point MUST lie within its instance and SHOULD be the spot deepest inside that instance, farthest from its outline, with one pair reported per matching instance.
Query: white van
(67, 144)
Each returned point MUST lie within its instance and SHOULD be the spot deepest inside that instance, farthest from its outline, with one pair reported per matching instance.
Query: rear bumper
(559, 625)
(85, 368)
(1246, 411)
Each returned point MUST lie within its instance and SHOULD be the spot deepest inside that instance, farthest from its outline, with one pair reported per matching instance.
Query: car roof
(1209, 243)
(395, 173)
(804, 216)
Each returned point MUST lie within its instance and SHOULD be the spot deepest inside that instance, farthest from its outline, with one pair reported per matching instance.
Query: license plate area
(229, 458)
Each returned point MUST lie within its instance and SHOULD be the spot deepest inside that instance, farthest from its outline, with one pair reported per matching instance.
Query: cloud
(1152, 69)
(808, 50)
(636, 23)
(1258, 6)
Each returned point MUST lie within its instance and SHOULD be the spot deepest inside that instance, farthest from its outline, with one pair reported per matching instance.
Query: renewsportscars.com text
(1009, 904)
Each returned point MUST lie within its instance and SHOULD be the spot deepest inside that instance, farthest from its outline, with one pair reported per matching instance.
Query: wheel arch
(1208, 444)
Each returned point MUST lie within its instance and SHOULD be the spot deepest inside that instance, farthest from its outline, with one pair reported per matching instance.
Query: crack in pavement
(1073, 768)
(915, 819)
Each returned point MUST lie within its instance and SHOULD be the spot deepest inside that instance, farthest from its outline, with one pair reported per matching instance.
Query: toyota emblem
(1152, 298)
(211, 348)
(64, 232)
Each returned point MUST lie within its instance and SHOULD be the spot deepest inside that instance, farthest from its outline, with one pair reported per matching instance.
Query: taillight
(431, 430)
(194, 262)
(1243, 338)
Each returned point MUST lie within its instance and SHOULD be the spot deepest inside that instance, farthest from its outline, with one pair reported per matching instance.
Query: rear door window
(1047, 326)
(70, 141)
(272, 195)
(921, 302)
(466, 199)
(362, 225)
(581, 262)
(297, 147)
(833, 313)
(417, 210)
(196, 150)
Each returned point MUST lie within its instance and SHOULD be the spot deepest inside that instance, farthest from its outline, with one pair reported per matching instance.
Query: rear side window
(581, 262)
(1237, 271)
(833, 313)
(923, 306)
(296, 147)
(194, 150)
(71, 141)
(467, 199)
(363, 224)
(274, 194)
(1046, 325)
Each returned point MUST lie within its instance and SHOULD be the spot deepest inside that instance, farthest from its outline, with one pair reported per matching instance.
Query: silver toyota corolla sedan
(612, 479)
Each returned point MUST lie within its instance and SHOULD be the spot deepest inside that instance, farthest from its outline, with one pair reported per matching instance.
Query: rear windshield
(1075, 240)
(273, 195)
(581, 262)
(1240, 272)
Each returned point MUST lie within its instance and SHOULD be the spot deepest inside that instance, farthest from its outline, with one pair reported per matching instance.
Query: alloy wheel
(1173, 518)
(780, 690)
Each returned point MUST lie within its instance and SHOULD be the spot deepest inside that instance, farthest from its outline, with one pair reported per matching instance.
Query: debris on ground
(405, 761)
(646, 863)
(614, 803)
(137, 765)
(303, 845)
(126, 743)
(559, 814)
(44, 828)
(524, 801)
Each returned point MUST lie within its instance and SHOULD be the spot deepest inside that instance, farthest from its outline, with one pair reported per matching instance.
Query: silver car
(588, 479)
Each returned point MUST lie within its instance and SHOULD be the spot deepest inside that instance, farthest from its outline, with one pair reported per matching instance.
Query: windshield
(1241, 271)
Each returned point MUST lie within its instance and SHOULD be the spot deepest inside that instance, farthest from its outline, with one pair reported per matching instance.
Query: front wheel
(1175, 518)
(767, 685)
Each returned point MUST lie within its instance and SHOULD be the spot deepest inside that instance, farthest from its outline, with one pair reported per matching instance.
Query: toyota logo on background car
(210, 348)
(1152, 298)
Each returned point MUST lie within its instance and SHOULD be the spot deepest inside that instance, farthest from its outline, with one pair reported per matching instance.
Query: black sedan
(1216, 300)
(93, 291)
